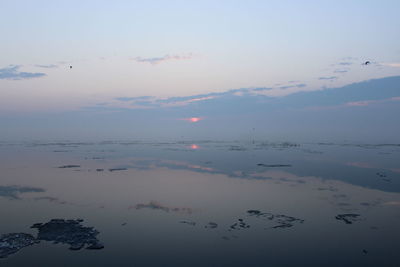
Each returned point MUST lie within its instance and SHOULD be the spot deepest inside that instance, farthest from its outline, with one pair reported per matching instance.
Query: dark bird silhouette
(70, 67)
(366, 63)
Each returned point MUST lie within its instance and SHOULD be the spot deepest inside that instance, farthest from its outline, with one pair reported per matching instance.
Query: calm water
(186, 203)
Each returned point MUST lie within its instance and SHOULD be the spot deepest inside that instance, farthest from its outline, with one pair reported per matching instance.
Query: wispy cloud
(350, 58)
(353, 95)
(148, 102)
(341, 71)
(153, 102)
(157, 60)
(370, 102)
(393, 64)
(299, 85)
(12, 73)
(345, 63)
(49, 66)
(361, 103)
(129, 99)
(262, 89)
(328, 78)
(188, 101)
(199, 99)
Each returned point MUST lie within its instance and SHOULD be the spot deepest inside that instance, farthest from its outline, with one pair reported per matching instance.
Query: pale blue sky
(169, 49)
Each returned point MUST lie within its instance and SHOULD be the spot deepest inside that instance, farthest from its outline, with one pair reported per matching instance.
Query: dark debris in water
(281, 220)
(69, 232)
(211, 225)
(117, 169)
(237, 148)
(278, 220)
(12, 243)
(239, 225)
(154, 205)
(381, 174)
(348, 218)
(69, 166)
(191, 223)
(274, 165)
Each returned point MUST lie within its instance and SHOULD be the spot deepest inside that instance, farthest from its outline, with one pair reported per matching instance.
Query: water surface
(187, 203)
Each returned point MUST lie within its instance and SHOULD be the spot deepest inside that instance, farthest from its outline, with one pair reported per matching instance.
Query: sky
(148, 62)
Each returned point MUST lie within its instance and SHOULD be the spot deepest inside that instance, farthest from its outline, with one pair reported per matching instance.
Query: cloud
(345, 63)
(365, 103)
(361, 103)
(50, 66)
(286, 87)
(301, 85)
(262, 89)
(350, 58)
(157, 60)
(12, 73)
(129, 99)
(187, 101)
(341, 71)
(353, 95)
(152, 102)
(330, 78)
(144, 103)
(393, 65)
(200, 99)
(137, 102)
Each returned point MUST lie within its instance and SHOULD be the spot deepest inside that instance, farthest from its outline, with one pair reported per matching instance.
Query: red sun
(194, 119)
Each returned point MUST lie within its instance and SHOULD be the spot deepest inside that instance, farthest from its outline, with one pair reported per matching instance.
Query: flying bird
(70, 67)
(366, 63)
